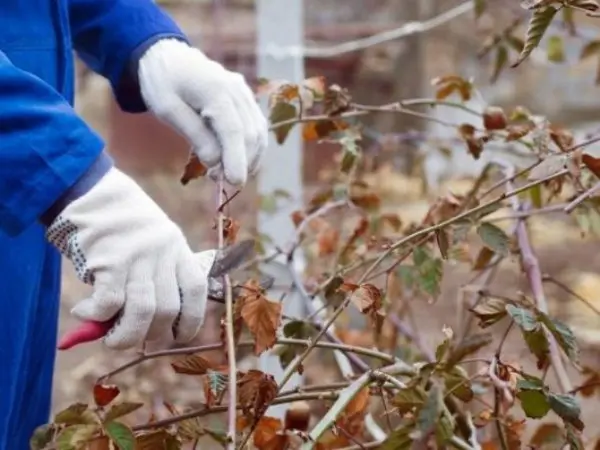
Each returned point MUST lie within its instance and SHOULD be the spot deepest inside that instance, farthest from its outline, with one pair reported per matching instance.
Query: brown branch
(205, 411)
(229, 331)
(534, 276)
(219, 345)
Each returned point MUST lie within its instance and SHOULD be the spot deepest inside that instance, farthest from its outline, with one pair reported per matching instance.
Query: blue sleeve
(111, 35)
(45, 148)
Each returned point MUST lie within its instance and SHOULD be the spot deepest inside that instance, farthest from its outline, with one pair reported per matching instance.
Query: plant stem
(230, 334)
(219, 345)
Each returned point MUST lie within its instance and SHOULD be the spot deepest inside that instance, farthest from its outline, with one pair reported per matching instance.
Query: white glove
(137, 260)
(209, 105)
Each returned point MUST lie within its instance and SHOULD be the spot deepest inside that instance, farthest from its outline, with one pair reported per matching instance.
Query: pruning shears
(226, 260)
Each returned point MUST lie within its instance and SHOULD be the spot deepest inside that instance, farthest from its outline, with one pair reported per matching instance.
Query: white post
(281, 23)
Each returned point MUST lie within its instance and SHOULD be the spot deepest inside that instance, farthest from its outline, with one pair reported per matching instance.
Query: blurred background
(398, 69)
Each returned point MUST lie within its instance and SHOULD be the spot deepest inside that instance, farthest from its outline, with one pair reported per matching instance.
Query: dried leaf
(262, 317)
(593, 164)
(193, 169)
(336, 101)
(105, 393)
(494, 238)
(268, 434)
(75, 436)
(484, 257)
(351, 419)
(447, 85)
(121, 409)
(489, 311)
(366, 298)
(256, 391)
(191, 365)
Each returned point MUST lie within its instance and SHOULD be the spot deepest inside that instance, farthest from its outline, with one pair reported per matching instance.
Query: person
(61, 194)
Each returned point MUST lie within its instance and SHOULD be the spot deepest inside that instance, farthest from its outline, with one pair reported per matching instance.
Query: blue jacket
(44, 149)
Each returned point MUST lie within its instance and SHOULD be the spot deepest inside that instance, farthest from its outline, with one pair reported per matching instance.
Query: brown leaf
(351, 419)
(545, 434)
(494, 118)
(263, 318)
(593, 164)
(327, 240)
(193, 169)
(591, 385)
(474, 143)
(449, 84)
(336, 101)
(105, 393)
(191, 365)
(366, 298)
(230, 230)
(484, 257)
(516, 132)
(320, 129)
(268, 434)
(443, 209)
(562, 137)
(363, 196)
(256, 391)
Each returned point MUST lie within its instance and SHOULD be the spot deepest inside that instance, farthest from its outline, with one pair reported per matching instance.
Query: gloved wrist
(138, 261)
(88, 180)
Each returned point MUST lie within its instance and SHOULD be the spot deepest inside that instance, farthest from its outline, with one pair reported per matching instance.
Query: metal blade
(230, 258)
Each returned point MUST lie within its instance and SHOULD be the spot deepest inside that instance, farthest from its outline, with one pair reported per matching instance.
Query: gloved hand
(137, 260)
(209, 105)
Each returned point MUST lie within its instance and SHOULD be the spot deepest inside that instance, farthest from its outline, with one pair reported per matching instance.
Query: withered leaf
(256, 390)
(494, 118)
(193, 169)
(191, 365)
(269, 435)
(262, 317)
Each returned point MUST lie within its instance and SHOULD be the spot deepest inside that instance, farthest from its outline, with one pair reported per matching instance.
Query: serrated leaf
(281, 112)
(524, 318)
(563, 335)
(216, 381)
(429, 271)
(409, 399)
(42, 436)
(399, 439)
(534, 403)
(494, 238)
(121, 435)
(500, 62)
(469, 345)
(537, 26)
(457, 382)
(538, 344)
(73, 415)
(191, 365)
(430, 412)
(574, 438)
(74, 436)
(567, 408)
(489, 311)
(121, 409)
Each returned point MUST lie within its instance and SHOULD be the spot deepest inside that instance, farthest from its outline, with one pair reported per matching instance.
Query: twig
(219, 345)
(583, 197)
(205, 411)
(534, 275)
(230, 333)
(568, 290)
(425, 231)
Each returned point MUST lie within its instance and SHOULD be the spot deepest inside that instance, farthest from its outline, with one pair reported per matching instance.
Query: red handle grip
(87, 331)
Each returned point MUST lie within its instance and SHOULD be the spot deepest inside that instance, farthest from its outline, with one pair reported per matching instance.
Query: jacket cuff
(87, 181)
(129, 93)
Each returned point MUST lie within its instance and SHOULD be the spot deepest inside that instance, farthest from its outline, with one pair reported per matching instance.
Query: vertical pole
(281, 23)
